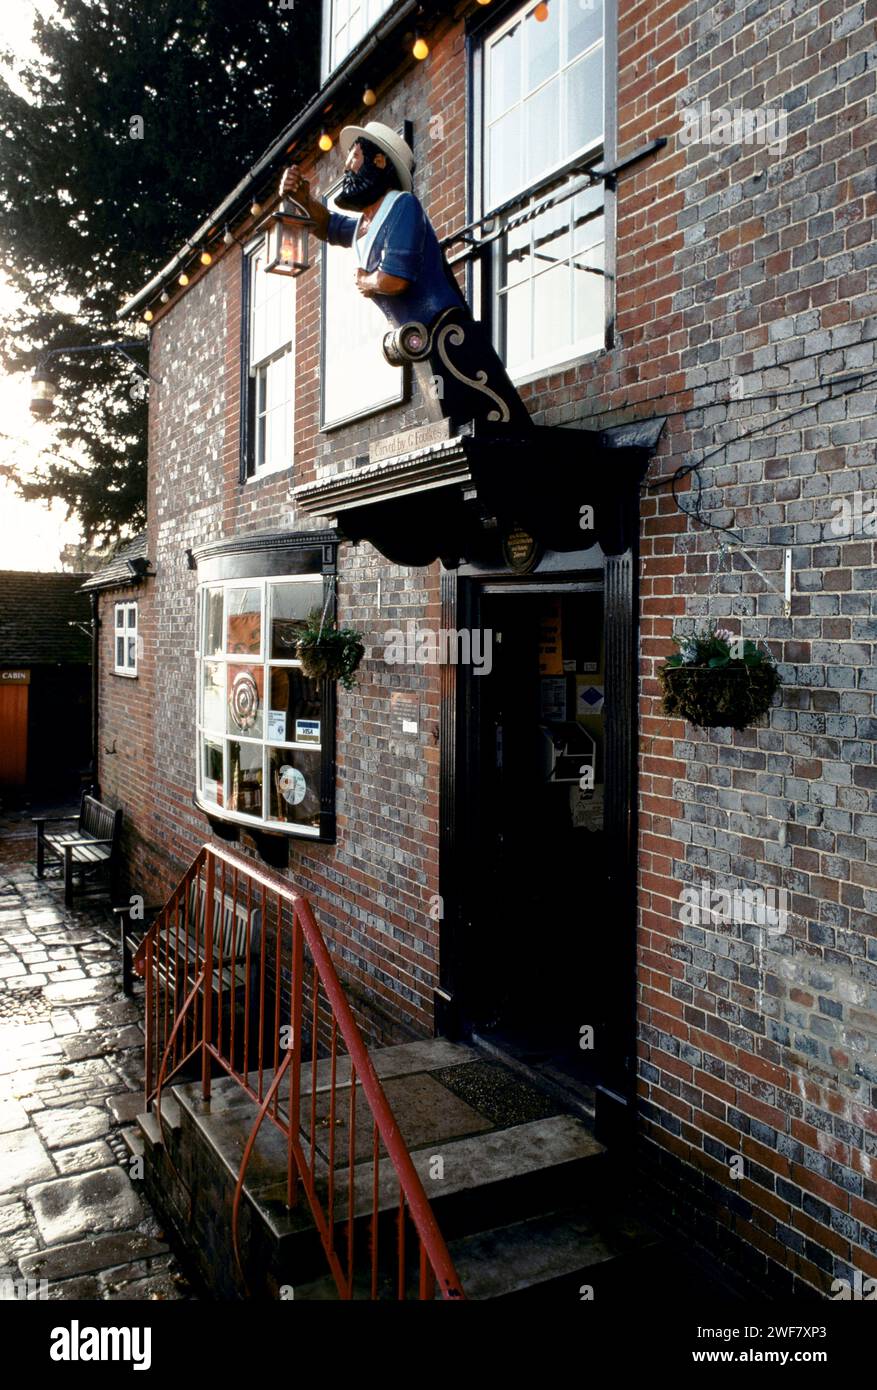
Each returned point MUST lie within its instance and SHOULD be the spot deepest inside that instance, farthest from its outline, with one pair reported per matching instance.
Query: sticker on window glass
(293, 786)
(277, 725)
(307, 731)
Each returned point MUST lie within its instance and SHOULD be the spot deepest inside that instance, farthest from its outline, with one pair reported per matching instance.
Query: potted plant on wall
(329, 652)
(717, 680)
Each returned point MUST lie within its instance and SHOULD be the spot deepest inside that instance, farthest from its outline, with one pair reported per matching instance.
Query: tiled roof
(36, 611)
(115, 574)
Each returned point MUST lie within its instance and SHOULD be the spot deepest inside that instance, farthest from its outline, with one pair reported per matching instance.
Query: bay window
(540, 108)
(265, 731)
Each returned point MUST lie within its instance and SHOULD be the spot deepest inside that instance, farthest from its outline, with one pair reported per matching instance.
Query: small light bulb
(184, 279)
(148, 316)
(164, 296)
(484, 2)
(255, 208)
(368, 97)
(227, 237)
(206, 258)
(421, 48)
(541, 12)
(325, 141)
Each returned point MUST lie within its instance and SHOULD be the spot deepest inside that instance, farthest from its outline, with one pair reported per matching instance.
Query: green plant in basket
(329, 652)
(717, 680)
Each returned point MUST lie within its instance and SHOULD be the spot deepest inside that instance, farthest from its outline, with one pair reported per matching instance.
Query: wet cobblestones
(71, 1065)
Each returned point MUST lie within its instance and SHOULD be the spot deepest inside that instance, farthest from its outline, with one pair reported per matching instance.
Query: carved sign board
(405, 443)
(14, 677)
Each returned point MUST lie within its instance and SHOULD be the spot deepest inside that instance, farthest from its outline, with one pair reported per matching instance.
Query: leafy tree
(89, 212)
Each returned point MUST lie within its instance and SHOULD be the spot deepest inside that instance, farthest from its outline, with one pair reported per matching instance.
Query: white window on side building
(125, 639)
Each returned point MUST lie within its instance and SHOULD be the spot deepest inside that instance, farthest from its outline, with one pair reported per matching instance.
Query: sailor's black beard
(360, 190)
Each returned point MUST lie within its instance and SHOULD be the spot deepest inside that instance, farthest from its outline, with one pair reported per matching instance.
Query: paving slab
(12, 1116)
(85, 1256)
(89, 1203)
(79, 991)
(84, 1157)
(23, 1160)
(71, 1125)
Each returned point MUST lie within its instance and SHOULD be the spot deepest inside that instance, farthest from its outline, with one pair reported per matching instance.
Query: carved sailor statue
(402, 267)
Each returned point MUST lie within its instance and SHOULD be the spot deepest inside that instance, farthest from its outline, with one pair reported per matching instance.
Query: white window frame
(257, 367)
(263, 658)
(123, 631)
(345, 24)
(591, 152)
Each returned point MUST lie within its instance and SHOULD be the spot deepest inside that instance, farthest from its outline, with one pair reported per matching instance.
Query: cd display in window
(294, 781)
(291, 784)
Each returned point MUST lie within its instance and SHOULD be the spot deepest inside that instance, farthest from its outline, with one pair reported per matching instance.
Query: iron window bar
(572, 173)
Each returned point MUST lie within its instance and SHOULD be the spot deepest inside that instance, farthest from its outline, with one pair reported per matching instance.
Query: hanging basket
(330, 653)
(714, 687)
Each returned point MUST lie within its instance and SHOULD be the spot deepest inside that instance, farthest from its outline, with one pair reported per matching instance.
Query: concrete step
(133, 1141)
(531, 1254)
(171, 1119)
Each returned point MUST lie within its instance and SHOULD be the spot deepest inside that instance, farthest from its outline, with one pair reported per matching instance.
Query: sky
(31, 533)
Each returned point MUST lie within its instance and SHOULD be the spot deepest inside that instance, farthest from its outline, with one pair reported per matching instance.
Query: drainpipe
(95, 691)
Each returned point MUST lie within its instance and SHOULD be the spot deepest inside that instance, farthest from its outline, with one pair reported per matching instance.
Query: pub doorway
(542, 953)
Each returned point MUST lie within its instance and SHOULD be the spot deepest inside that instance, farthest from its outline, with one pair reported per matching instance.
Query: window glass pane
(505, 158)
(132, 653)
(132, 617)
(213, 622)
(504, 76)
(589, 294)
(516, 325)
(294, 793)
(213, 706)
(542, 44)
(584, 102)
(245, 698)
(245, 777)
(541, 118)
(294, 711)
(516, 265)
(584, 25)
(212, 783)
(120, 651)
(551, 312)
(244, 620)
(551, 242)
(290, 606)
(587, 228)
(356, 378)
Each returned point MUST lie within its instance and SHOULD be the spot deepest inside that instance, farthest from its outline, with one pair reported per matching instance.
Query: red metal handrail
(224, 988)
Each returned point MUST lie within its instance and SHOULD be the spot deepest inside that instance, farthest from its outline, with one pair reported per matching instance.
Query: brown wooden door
(13, 735)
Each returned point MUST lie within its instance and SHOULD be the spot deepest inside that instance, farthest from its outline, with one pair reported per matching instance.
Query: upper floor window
(345, 23)
(541, 108)
(125, 639)
(269, 358)
(355, 378)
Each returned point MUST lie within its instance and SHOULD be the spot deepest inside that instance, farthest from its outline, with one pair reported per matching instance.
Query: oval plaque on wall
(522, 551)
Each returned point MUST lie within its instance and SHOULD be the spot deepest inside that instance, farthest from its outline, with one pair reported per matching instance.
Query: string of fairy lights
(217, 239)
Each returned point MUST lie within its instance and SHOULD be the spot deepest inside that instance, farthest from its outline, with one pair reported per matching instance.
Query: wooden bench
(93, 844)
(174, 962)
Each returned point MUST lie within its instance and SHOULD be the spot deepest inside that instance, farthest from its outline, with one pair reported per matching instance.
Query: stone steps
(520, 1201)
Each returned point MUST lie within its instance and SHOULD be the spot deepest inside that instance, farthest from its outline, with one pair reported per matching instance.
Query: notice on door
(551, 640)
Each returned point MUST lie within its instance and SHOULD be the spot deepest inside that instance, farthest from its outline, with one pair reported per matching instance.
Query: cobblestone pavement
(71, 1073)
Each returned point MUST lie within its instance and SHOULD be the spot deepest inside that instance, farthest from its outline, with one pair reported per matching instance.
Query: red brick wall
(738, 273)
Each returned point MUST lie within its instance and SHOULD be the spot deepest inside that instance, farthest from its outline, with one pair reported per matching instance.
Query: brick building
(679, 277)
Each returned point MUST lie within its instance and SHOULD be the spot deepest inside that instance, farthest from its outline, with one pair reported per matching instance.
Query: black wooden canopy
(460, 499)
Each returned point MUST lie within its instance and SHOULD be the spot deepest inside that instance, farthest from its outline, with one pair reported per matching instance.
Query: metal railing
(249, 989)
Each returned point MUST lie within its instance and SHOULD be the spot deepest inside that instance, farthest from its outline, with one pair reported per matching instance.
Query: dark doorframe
(461, 594)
